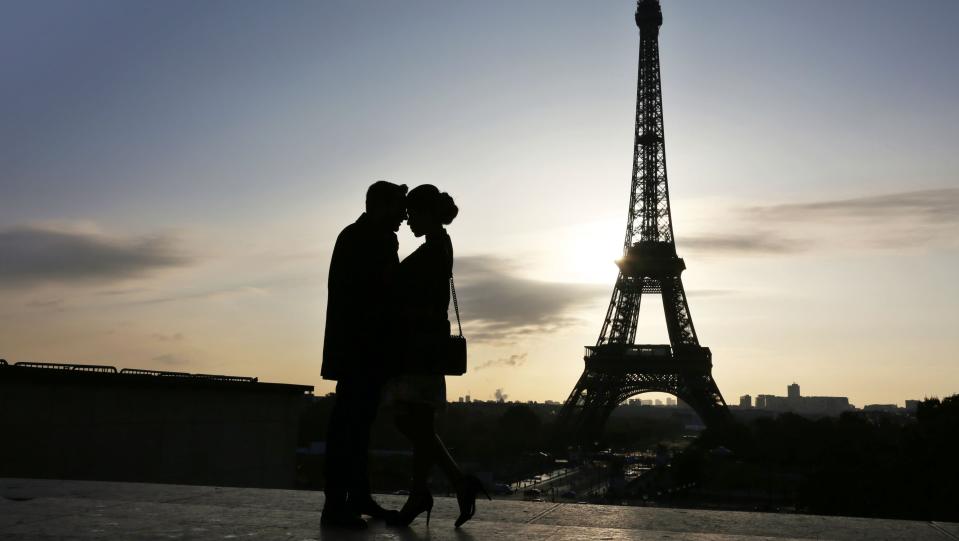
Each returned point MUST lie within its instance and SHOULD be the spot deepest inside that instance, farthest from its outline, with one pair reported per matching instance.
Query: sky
(173, 176)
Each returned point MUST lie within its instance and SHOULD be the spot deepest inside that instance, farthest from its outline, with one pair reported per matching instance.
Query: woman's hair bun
(446, 209)
(428, 198)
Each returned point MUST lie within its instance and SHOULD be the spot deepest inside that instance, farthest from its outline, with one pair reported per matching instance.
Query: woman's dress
(424, 297)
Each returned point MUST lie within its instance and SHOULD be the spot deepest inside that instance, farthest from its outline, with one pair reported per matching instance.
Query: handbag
(437, 353)
(453, 362)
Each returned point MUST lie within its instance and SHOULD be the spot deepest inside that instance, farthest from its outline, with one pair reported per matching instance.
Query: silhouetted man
(360, 316)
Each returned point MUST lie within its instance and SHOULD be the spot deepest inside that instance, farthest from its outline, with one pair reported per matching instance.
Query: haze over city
(173, 177)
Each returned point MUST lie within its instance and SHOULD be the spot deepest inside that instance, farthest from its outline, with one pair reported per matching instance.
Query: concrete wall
(56, 424)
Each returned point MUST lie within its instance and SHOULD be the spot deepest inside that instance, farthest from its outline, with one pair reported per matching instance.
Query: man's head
(386, 203)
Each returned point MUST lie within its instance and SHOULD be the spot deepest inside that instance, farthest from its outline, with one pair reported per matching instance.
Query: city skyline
(174, 177)
(658, 399)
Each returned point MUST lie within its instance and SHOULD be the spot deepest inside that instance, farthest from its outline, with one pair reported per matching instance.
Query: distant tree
(874, 465)
(518, 428)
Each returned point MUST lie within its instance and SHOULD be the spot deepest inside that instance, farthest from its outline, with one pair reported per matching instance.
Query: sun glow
(587, 252)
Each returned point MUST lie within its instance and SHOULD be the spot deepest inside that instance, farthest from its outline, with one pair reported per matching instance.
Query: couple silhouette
(380, 313)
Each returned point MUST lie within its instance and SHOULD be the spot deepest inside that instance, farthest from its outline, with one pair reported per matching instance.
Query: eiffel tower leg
(623, 312)
(701, 393)
(679, 323)
(596, 395)
(698, 389)
(588, 407)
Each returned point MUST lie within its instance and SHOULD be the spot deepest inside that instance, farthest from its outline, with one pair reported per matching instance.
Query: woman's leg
(445, 461)
(411, 424)
(417, 424)
(438, 452)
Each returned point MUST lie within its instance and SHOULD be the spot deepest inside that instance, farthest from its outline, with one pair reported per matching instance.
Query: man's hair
(382, 193)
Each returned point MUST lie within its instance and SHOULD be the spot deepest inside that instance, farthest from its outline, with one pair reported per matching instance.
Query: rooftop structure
(62, 420)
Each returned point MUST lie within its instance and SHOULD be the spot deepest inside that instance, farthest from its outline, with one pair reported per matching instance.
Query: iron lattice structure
(617, 367)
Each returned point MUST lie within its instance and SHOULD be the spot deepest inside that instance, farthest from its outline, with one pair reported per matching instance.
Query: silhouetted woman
(424, 281)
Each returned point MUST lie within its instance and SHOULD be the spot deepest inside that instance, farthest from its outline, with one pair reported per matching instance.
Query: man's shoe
(367, 506)
(342, 519)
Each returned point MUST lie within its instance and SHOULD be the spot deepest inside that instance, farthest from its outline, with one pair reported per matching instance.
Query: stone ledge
(33, 509)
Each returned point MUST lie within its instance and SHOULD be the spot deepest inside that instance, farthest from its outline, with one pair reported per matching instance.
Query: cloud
(170, 359)
(49, 304)
(498, 306)
(744, 243)
(710, 292)
(259, 288)
(926, 206)
(898, 220)
(512, 360)
(175, 337)
(215, 293)
(125, 291)
(36, 255)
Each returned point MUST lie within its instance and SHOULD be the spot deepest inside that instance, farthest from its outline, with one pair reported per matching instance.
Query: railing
(158, 373)
(647, 358)
(216, 377)
(63, 366)
(103, 369)
(166, 374)
(634, 350)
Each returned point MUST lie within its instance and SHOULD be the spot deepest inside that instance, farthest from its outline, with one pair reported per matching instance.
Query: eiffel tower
(617, 367)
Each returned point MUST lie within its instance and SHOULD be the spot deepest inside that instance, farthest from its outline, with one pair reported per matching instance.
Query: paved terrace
(49, 509)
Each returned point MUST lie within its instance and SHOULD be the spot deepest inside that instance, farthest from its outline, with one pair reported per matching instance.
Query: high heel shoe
(415, 504)
(469, 487)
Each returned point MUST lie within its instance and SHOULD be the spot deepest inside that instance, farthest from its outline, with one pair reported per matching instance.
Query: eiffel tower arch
(616, 366)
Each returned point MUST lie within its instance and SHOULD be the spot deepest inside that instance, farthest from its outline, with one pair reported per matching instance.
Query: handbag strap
(456, 305)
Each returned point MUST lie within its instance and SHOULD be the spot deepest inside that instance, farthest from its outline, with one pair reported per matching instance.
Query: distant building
(806, 405)
(812, 405)
(912, 406)
(881, 408)
(659, 402)
(468, 399)
(745, 401)
(670, 401)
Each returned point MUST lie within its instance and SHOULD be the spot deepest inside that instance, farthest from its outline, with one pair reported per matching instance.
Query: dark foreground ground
(48, 509)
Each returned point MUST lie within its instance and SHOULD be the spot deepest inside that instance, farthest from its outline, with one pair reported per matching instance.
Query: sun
(589, 252)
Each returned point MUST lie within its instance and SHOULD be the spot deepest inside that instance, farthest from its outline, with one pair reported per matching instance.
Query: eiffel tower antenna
(617, 367)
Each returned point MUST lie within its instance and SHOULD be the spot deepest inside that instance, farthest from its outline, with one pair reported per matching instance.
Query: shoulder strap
(456, 305)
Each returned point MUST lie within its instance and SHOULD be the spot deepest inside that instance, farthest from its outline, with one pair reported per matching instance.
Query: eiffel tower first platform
(617, 367)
